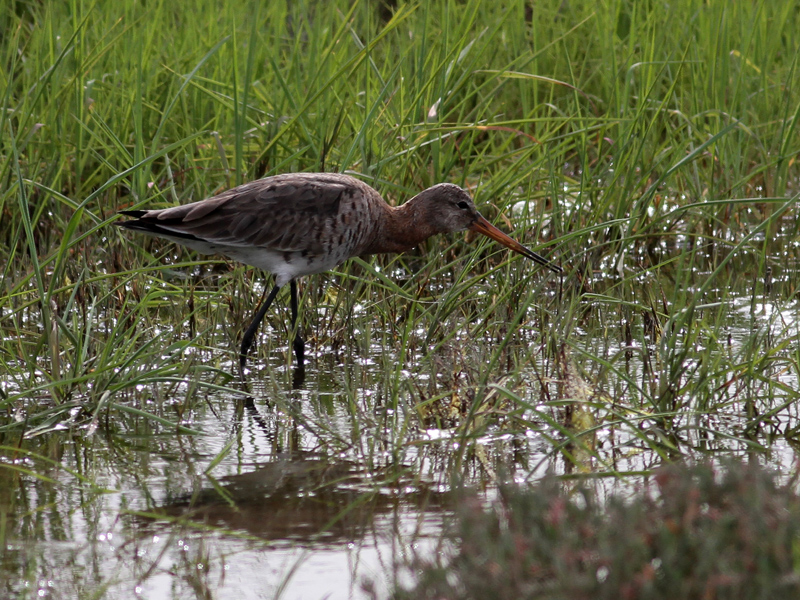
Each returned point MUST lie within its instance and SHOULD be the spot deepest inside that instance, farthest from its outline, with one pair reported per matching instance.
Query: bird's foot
(243, 356)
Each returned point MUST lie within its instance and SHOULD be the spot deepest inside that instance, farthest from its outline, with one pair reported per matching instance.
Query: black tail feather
(151, 227)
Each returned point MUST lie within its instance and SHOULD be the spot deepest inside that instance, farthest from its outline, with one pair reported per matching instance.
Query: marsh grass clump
(697, 532)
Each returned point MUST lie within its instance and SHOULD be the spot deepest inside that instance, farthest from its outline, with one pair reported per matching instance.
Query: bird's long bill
(483, 226)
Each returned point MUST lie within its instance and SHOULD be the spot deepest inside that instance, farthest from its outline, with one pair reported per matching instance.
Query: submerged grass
(657, 163)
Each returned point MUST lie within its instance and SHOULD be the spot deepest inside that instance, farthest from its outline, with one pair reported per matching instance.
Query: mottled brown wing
(282, 213)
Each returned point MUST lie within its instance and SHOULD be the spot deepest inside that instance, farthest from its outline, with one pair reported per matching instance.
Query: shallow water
(154, 526)
(323, 489)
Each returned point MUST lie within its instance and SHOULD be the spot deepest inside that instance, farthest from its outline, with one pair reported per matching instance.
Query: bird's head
(446, 208)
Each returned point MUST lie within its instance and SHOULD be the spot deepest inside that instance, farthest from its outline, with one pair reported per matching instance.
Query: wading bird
(302, 223)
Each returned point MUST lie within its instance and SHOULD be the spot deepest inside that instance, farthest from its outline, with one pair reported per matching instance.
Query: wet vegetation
(649, 148)
(694, 534)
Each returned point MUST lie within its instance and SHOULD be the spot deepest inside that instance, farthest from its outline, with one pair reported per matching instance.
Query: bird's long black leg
(298, 343)
(247, 339)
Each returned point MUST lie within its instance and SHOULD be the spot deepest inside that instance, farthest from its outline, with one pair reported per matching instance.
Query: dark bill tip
(483, 226)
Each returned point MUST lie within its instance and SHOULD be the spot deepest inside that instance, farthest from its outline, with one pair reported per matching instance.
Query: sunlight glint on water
(336, 438)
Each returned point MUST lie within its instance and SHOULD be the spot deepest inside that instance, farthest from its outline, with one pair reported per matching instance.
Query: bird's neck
(401, 228)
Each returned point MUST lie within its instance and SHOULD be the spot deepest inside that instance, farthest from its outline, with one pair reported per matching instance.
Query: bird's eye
(462, 204)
